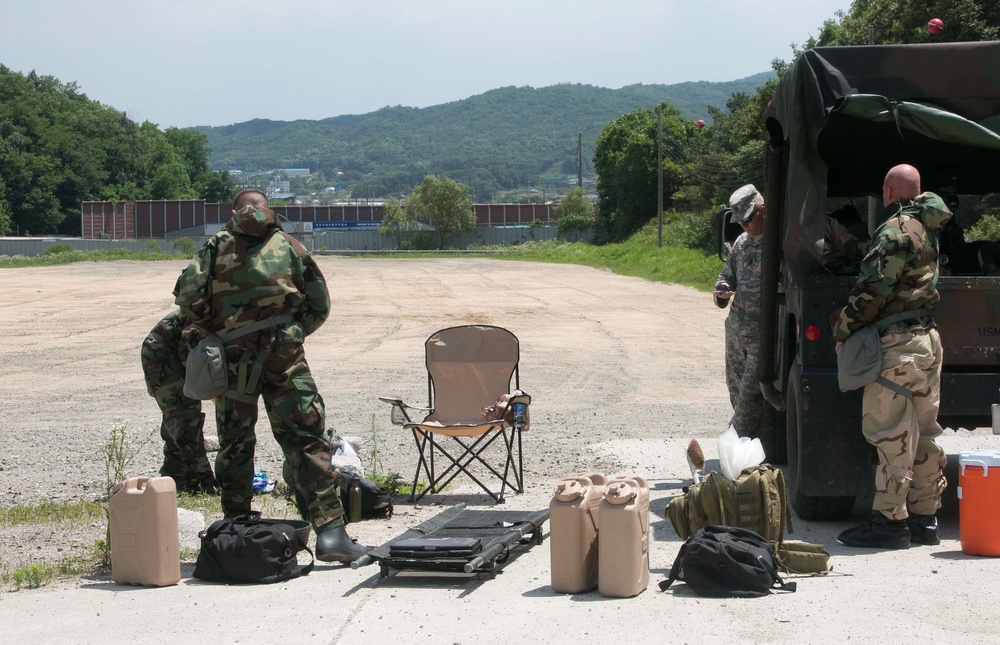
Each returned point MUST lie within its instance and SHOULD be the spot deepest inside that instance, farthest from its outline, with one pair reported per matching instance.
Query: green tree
(171, 181)
(730, 152)
(444, 204)
(905, 21)
(576, 202)
(576, 212)
(217, 186)
(625, 162)
(397, 220)
(6, 227)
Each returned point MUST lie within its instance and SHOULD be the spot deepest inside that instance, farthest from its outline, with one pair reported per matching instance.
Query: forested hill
(506, 137)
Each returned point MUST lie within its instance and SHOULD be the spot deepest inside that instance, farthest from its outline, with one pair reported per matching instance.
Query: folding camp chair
(469, 368)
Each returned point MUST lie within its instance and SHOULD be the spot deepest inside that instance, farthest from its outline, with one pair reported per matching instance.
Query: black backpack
(251, 549)
(727, 562)
(376, 502)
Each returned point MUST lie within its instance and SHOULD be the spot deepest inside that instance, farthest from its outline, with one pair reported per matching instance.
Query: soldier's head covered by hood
(251, 214)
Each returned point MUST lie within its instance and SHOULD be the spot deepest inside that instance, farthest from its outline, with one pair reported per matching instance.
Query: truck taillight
(813, 332)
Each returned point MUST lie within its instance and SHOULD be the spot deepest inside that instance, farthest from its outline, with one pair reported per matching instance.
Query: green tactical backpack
(756, 501)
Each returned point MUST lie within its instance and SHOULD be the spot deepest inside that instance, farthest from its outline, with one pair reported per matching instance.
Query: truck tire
(806, 507)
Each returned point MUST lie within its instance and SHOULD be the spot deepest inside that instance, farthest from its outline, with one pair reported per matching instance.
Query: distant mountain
(503, 138)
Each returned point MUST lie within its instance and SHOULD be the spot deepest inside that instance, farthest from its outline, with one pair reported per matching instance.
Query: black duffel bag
(727, 562)
(249, 549)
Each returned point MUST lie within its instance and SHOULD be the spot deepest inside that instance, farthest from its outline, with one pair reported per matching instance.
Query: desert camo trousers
(296, 413)
(741, 379)
(903, 431)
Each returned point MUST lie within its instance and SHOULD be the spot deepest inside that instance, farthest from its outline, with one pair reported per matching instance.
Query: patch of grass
(637, 257)
(68, 257)
(48, 512)
(37, 574)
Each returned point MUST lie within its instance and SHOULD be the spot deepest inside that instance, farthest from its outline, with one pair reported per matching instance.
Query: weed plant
(118, 452)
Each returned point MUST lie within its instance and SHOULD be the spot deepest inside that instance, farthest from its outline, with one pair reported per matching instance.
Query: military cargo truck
(840, 118)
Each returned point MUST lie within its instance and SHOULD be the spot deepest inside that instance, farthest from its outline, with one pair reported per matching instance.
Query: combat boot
(923, 529)
(878, 533)
(333, 544)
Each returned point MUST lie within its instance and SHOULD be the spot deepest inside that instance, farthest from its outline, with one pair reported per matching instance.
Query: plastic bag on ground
(737, 453)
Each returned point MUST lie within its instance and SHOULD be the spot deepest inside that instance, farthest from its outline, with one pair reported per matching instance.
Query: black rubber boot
(923, 529)
(335, 545)
(877, 533)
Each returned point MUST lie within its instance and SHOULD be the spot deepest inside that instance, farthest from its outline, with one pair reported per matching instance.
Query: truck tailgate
(968, 319)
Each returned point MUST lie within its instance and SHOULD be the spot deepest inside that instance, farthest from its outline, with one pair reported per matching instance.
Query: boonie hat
(743, 202)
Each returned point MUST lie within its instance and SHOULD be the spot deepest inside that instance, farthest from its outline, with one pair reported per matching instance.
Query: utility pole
(579, 160)
(659, 175)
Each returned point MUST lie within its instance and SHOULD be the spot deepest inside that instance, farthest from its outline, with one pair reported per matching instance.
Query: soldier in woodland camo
(740, 277)
(184, 457)
(899, 274)
(250, 273)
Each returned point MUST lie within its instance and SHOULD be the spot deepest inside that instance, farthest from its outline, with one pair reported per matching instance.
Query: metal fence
(351, 240)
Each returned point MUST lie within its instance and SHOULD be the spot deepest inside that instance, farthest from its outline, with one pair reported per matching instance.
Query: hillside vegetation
(507, 137)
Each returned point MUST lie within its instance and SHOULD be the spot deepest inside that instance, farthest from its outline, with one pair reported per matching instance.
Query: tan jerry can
(144, 544)
(573, 527)
(623, 560)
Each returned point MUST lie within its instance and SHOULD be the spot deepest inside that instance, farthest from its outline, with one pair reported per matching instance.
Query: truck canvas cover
(865, 109)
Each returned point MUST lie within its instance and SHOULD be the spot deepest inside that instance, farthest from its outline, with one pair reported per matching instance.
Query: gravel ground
(605, 358)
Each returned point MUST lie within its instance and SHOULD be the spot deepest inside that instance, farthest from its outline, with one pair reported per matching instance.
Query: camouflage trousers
(181, 429)
(910, 463)
(296, 413)
(741, 378)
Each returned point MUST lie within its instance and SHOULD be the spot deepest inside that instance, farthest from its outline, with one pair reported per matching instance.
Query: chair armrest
(400, 416)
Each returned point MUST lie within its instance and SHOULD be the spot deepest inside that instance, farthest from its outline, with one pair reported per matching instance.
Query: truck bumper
(967, 399)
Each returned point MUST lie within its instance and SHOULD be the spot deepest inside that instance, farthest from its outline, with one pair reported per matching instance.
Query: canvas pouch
(206, 374)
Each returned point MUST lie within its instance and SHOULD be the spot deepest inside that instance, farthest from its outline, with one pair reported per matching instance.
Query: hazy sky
(217, 62)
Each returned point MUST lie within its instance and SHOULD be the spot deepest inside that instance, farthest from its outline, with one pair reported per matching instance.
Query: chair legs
(468, 453)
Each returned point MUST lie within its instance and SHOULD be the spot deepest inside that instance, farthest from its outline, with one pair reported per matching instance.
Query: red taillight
(813, 332)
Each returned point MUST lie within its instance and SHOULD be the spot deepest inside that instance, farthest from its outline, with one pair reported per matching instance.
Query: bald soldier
(896, 290)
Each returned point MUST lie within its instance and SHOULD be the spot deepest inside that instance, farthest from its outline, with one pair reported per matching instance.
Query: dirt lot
(604, 357)
(623, 373)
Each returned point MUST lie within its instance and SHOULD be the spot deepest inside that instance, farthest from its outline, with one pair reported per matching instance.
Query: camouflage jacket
(249, 271)
(900, 271)
(741, 274)
(163, 341)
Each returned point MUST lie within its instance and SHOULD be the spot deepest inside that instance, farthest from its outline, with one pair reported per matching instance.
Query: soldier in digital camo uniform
(899, 274)
(252, 275)
(184, 457)
(740, 277)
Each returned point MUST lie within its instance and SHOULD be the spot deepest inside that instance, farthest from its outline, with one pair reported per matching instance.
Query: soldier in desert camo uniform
(898, 278)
